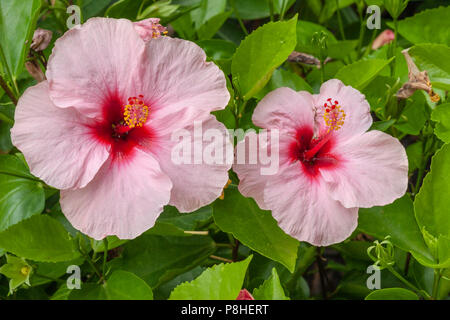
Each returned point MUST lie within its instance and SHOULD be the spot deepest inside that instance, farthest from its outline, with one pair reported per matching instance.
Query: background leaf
(220, 282)
(260, 54)
(392, 294)
(255, 228)
(271, 289)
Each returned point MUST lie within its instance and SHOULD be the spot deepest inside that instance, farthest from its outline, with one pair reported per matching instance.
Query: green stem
(236, 12)
(271, 10)
(436, 283)
(341, 25)
(322, 71)
(362, 32)
(408, 284)
(283, 9)
(8, 91)
(105, 255)
(394, 47)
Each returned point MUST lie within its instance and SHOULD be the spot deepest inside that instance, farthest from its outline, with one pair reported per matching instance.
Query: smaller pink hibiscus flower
(330, 165)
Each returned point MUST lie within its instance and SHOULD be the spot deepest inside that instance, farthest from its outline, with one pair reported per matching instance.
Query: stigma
(334, 115)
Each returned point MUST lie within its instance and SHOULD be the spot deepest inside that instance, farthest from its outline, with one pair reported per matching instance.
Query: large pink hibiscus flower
(100, 127)
(330, 165)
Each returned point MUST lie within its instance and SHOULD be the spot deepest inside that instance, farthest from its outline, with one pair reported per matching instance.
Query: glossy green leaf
(255, 228)
(431, 206)
(21, 194)
(260, 54)
(257, 9)
(428, 26)
(271, 289)
(158, 259)
(434, 59)
(392, 294)
(39, 238)
(359, 74)
(441, 115)
(17, 24)
(127, 9)
(396, 220)
(220, 282)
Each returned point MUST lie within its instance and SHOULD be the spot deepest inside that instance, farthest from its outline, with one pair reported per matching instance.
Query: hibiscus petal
(91, 63)
(285, 109)
(305, 210)
(124, 199)
(374, 171)
(57, 143)
(176, 78)
(196, 185)
(358, 119)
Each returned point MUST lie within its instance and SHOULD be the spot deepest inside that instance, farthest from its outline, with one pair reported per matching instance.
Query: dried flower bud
(41, 39)
(304, 58)
(150, 29)
(383, 38)
(418, 80)
(35, 71)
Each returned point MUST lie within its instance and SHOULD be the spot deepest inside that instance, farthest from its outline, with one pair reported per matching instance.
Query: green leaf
(330, 8)
(260, 54)
(17, 270)
(17, 24)
(158, 259)
(341, 49)
(185, 221)
(431, 203)
(209, 29)
(414, 115)
(428, 26)
(359, 74)
(21, 194)
(434, 59)
(382, 125)
(415, 156)
(284, 78)
(220, 51)
(92, 8)
(127, 9)
(220, 282)
(121, 285)
(255, 228)
(257, 9)
(396, 220)
(271, 289)
(39, 238)
(441, 115)
(392, 294)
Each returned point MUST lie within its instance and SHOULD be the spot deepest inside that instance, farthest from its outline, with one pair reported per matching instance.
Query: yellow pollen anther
(334, 115)
(135, 113)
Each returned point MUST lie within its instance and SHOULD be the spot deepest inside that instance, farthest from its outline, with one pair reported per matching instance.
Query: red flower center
(123, 125)
(315, 153)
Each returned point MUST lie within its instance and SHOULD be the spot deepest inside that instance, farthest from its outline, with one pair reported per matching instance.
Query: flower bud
(384, 253)
(34, 70)
(383, 38)
(41, 39)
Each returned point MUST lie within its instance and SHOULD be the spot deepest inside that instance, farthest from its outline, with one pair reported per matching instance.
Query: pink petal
(196, 185)
(358, 119)
(176, 78)
(57, 143)
(93, 62)
(306, 210)
(374, 171)
(124, 199)
(284, 109)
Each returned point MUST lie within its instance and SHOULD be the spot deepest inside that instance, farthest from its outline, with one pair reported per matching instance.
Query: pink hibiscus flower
(100, 127)
(330, 165)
